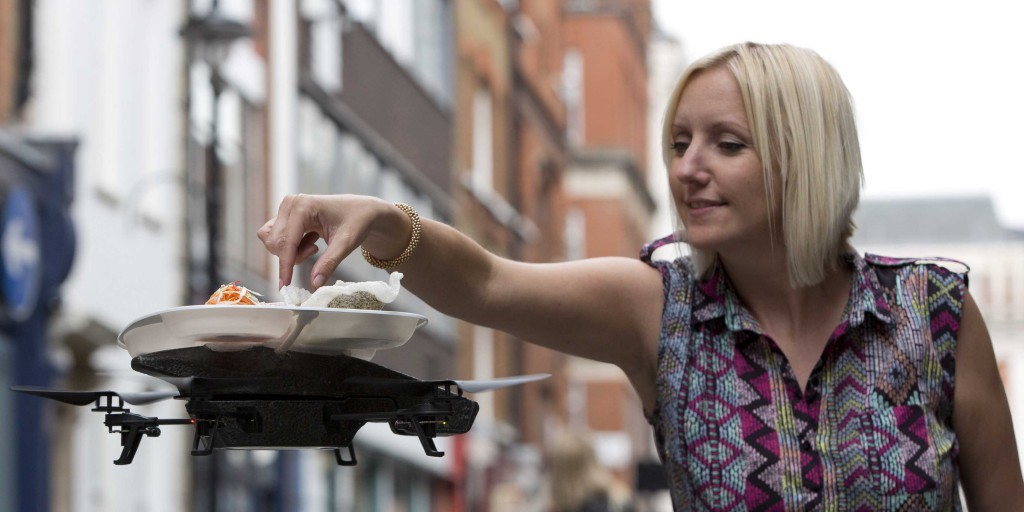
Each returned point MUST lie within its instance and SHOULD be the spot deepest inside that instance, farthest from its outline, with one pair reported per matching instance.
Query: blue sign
(20, 254)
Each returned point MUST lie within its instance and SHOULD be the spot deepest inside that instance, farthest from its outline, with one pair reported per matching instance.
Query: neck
(763, 285)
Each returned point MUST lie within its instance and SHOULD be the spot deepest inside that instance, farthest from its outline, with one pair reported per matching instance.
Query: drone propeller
(480, 386)
(88, 397)
(471, 386)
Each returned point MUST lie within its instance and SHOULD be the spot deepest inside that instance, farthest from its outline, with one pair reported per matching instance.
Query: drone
(259, 398)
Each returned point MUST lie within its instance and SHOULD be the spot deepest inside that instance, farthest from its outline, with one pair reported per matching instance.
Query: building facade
(551, 157)
(610, 206)
(119, 95)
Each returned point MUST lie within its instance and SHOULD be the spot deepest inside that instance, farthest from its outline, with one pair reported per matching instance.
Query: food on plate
(357, 300)
(294, 295)
(234, 293)
(360, 295)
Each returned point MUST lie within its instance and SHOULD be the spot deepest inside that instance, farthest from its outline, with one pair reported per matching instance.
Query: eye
(678, 147)
(731, 148)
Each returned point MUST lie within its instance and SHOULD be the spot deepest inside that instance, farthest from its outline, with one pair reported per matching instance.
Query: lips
(699, 204)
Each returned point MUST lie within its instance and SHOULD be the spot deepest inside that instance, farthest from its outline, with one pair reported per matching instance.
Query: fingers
(342, 221)
(283, 234)
(307, 247)
(340, 245)
(264, 232)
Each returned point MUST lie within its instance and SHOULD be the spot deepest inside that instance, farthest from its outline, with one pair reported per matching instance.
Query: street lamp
(211, 37)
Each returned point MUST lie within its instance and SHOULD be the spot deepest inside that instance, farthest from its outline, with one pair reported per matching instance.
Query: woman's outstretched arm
(606, 309)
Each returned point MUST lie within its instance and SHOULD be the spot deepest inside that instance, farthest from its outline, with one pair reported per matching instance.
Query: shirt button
(805, 445)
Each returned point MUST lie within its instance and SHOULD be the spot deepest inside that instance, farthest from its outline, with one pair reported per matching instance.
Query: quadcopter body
(258, 398)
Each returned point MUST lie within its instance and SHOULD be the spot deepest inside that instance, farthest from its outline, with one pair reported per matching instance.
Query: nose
(690, 168)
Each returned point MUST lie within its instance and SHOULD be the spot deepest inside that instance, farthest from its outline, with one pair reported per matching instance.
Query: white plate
(355, 332)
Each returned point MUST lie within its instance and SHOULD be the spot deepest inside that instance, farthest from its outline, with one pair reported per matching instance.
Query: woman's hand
(345, 222)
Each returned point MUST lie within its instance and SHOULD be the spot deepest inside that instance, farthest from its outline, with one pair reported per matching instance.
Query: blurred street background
(143, 143)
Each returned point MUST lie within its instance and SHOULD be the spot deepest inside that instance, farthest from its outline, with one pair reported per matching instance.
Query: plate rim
(155, 317)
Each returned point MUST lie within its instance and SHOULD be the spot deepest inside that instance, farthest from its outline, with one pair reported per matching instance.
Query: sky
(937, 85)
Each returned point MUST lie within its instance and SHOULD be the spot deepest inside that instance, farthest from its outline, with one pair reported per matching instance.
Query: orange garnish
(233, 294)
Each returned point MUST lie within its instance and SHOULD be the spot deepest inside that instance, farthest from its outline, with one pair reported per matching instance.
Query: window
(483, 142)
(341, 173)
(432, 33)
(575, 235)
(245, 181)
(366, 12)
(396, 30)
(325, 26)
(316, 149)
(350, 150)
(483, 369)
(417, 33)
(333, 160)
(368, 169)
(391, 186)
(572, 94)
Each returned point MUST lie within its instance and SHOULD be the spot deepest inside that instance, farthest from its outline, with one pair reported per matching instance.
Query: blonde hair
(575, 473)
(801, 119)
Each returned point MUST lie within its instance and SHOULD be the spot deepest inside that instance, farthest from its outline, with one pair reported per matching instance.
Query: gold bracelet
(417, 230)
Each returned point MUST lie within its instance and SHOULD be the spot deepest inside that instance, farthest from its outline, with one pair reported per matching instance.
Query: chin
(701, 240)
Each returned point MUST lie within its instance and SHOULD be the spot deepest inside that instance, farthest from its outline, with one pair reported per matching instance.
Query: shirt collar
(868, 295)
(715, 297)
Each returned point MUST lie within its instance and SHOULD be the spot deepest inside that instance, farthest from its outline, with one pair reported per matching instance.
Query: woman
(578, 482)
(779, 369)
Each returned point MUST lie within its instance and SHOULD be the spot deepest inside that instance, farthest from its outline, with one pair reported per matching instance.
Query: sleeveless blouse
(871, 431)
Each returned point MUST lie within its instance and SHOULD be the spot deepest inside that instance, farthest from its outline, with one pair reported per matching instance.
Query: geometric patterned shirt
(871, 431)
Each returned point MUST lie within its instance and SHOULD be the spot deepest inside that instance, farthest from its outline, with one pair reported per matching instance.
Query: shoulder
(667, 253)
(648, 249)
(670, 258)
(930, 270)
(939, 264)
(933, 288)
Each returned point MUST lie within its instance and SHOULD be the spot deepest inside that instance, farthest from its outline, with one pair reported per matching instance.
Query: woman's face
(716, 177)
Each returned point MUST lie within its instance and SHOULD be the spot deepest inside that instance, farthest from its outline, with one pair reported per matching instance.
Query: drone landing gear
(426, 438)
(342, 461)
(424, 431)
(132, 427)
(202, 440)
